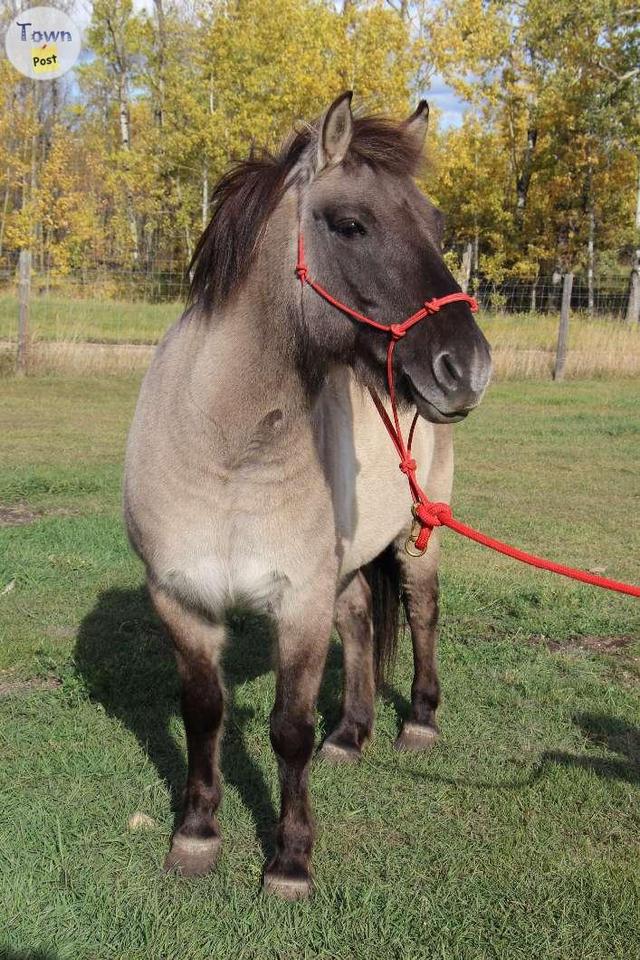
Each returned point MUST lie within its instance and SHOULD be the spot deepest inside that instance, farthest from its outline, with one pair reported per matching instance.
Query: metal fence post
(24, 290)
(563, 329)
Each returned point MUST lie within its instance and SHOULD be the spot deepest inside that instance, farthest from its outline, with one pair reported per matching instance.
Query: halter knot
(432, 514)
(408, 466)
(397, 331)
(302, 272)
(431, 306)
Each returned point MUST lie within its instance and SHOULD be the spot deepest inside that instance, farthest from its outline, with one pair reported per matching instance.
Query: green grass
(516, 838)
(99, 320)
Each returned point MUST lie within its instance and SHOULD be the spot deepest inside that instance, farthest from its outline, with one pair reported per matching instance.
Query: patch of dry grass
(88, 359)
(64, 342)
(524, 347)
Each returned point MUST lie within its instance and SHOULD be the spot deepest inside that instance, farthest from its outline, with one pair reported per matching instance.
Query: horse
(257, 474)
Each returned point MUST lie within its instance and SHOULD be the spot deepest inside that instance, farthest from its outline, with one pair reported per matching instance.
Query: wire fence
(607, 295)
(48, 322)
(149, 284)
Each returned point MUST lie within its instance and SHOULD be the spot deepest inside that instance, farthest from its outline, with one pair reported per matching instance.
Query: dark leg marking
(301, 663)
(195, 844)
(420, 597)
(354, 624)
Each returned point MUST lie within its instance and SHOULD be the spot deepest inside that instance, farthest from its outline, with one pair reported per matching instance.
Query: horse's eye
(349, 228)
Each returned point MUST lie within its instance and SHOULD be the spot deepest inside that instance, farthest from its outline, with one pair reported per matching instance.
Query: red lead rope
(428, 514)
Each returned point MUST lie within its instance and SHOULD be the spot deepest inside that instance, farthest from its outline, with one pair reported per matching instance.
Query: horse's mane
(248, 193)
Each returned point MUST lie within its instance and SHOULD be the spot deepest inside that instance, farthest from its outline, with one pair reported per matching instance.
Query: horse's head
(372, 240)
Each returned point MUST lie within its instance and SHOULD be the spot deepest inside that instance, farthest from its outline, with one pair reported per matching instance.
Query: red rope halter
(428, 514)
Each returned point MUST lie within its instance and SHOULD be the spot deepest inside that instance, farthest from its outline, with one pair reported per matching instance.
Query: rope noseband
(428, 514)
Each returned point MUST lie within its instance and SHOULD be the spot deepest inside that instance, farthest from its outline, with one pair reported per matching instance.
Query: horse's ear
(417, 123)
(336, 132)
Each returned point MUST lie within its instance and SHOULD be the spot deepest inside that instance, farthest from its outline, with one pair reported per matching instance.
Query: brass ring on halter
(415, 531)
(411, 542)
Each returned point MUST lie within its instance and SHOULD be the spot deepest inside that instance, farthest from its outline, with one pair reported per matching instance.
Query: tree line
(113, 164)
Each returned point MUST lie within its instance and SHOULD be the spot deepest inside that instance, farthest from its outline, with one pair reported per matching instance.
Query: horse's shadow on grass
(127, 665)
(616, 736)
(599, 729)
(6, 953)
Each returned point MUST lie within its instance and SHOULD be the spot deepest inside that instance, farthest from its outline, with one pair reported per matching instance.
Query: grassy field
(518, 837)
(524, 344)
(100, 321)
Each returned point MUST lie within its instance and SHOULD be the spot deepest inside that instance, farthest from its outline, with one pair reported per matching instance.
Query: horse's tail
(383, 577)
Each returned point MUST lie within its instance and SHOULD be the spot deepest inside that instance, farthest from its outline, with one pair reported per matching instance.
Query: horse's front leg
(303, 639)
(198, 644)
(420, 596)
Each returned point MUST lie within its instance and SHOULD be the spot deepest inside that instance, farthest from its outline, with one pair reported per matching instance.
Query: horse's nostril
(448, 363)
(446, 371)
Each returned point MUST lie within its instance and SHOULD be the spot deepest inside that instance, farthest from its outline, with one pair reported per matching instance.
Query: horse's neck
(247, 384)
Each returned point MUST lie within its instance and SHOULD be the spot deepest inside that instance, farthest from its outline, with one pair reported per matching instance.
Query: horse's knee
(292, 737)
(353, 606)
(202, 697)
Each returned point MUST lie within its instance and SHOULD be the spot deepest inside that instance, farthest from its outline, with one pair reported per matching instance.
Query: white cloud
(451, 106)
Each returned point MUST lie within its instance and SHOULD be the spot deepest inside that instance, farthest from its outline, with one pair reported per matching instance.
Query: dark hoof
(191, 856)
(417, 737)
(287, 888)
(336, 753)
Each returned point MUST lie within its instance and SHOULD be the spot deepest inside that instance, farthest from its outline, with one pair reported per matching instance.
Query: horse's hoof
(287, 888)
(191, 856)
(417, 737)
(335, 753)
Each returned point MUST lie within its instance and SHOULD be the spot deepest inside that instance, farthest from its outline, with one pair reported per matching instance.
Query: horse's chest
(238, 548)
(220, 572)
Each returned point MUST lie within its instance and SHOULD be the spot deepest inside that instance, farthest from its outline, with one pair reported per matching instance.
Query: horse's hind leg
(420, 597)
(198, 643)
(353, 622)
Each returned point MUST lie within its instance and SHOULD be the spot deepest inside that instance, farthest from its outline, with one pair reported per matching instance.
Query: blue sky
(451, 106)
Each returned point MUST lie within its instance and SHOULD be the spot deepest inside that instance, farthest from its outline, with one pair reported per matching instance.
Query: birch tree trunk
(121, 66)
(125, 143)
(205, 193)
(162, 47)
(633, 303)
(590, 260)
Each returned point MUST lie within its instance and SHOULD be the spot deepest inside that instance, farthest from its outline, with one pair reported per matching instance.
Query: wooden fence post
(24, 290)
(633, 303)
(563, 329)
